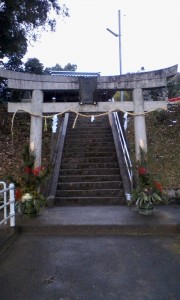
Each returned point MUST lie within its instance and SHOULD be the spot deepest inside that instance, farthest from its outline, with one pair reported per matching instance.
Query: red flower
(142, 171)
(28, 170)
(158, 186)
(18, 194)
(37, 171)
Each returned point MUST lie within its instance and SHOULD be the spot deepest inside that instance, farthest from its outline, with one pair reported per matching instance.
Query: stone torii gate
(135, 82)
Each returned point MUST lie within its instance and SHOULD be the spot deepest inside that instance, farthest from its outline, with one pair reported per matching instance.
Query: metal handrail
(8, 202)
(124, 148)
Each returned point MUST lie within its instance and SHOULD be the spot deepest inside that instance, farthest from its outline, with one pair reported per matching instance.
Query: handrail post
(12, 206)
(5, 202)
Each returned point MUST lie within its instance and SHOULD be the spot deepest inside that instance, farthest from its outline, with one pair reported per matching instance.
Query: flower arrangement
(27, 194)
(148, 191)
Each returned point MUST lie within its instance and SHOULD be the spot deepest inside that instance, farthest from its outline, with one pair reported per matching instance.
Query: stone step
(89, 165)
(89, 144)
(90, 193)
(82, 201)
(89, 139)
(89, 178)
(88, 160)
(87, 120)
(89, 185)
(89, 131)
(89, 149)
(82, 128)
(88, 126)
(89, 154)
(107, 220)
(89, 172)
(84, 121)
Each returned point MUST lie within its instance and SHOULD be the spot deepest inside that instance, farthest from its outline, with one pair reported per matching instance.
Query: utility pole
(120, 51)
(120, 48)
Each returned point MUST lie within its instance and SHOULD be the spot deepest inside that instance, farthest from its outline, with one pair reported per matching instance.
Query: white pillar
(36, 126)
(139, 122)
(12, 205)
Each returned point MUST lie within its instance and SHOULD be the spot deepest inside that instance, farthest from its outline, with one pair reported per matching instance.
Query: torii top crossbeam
(144, 80)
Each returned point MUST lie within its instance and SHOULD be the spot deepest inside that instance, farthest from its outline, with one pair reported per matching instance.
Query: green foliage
(163, 145)
(161, 117)
(14, 64)
(20, 20)
(148, 190)
(174, 86)
(31, 204)
(28, 157)
(28, 185)
(70, 67)
(57, 67)
(127, 96)
(4, 96)
(33, 65)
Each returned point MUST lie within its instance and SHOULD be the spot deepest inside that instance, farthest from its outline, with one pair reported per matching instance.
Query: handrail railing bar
(10, 203)
(124, 148)
(7, 218)
(7, 203)
(128, 164)
(5, 190)
(125, 145)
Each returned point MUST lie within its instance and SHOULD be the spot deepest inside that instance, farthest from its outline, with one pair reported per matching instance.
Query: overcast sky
(150, 32)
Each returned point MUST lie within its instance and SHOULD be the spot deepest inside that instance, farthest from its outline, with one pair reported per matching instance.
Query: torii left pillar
(36, 126)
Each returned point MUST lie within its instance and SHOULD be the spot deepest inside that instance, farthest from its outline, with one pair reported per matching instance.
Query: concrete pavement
(94, 253)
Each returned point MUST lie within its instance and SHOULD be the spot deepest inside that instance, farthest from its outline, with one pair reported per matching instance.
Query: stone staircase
(89, 172)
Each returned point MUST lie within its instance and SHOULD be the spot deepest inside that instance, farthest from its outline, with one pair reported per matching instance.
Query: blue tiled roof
(75, 74)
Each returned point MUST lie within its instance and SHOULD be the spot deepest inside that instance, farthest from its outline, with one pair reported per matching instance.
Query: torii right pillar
(139, 122)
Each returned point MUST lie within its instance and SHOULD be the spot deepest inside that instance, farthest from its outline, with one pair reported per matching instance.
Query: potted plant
(28, 196)
(148, 191)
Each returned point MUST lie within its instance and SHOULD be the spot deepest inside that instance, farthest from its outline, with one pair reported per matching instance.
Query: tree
(20, 20)
(174, 86)
(14, 64)
(57, 67)
(70, 67)
(33, 65)
(4, 95)
(127, 95)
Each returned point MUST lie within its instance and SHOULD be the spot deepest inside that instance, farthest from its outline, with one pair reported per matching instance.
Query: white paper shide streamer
(54, 123)
(92, 119)
(125, 120)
